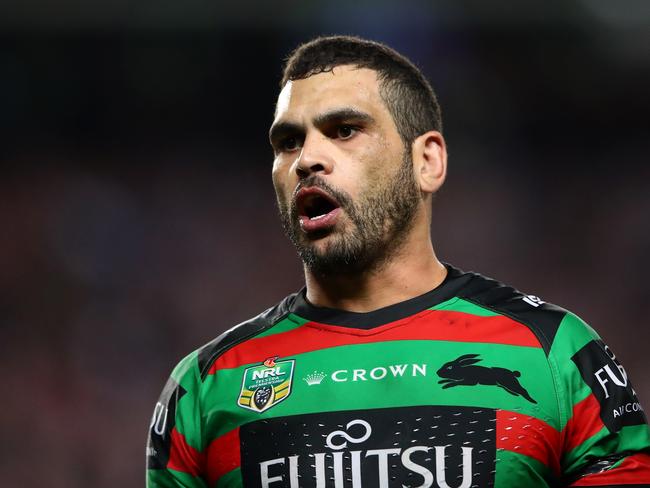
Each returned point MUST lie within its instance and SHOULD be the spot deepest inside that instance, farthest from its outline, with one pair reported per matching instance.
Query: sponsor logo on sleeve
(161, 425)
(608, 380)
(266, 385)
(533, 301)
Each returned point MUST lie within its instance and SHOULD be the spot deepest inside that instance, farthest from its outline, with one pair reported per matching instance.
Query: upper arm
(606, 440)
(174, 447)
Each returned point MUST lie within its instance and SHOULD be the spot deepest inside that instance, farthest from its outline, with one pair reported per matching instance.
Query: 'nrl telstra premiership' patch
(266, 385)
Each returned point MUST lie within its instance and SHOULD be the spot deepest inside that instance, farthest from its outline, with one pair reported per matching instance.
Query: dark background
(136, 209)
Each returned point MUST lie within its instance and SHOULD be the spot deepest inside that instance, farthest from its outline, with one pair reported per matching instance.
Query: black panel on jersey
(599, 368)
(403, 446)
(542, 318)
(212, 350)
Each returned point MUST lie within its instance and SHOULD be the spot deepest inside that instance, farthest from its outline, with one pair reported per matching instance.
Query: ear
(468, 359)
(469, 362)
(429, 153)
(465, 357)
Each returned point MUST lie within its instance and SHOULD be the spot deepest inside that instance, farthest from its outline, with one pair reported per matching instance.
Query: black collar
(453, 282)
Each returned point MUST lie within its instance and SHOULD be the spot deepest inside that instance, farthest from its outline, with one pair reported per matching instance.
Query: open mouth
(316, 209)
(316, 206)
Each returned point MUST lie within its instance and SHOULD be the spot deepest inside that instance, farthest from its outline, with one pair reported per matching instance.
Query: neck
(412, 271)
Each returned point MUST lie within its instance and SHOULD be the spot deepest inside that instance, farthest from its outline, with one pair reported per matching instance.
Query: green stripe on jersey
(460, 305)
(632, 438)
(571, 336)
(186, 370)
(170, 478)
(386, 374)
(232, 479)
(517, 470)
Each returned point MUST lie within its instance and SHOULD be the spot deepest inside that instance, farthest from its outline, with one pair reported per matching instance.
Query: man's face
(343, 179)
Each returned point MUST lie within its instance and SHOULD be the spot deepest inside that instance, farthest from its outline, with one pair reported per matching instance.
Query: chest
(385, 414)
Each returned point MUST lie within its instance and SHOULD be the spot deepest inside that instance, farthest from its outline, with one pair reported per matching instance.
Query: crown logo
(314, 378)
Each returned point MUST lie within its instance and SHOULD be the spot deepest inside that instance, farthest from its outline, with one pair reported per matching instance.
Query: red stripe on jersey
(223, 455)
(183, 457)
(633, 471)
(427, 325)
(584, 423)
(529, 436)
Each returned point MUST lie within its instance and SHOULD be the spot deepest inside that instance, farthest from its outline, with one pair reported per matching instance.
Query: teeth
(318, 217)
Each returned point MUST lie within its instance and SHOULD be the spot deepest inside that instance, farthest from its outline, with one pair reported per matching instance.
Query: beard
(377, 226)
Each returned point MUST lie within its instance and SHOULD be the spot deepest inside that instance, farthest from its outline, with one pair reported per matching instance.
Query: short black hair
(406, 92)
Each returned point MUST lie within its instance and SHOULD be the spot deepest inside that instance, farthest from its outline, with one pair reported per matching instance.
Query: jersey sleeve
(174, 448)
(605, 439)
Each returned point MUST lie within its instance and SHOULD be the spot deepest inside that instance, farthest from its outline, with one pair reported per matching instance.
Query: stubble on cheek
(285, 216)
(373, 224)
(283, 207)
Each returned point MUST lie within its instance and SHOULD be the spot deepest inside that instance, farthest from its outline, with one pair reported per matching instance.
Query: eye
(289, 144)
(345, 131)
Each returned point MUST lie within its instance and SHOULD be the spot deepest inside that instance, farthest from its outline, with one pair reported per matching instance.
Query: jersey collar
(453, 282)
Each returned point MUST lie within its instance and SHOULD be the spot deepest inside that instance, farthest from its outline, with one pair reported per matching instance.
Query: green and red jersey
(470, 385)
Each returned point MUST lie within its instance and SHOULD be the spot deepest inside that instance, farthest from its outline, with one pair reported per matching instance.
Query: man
(390, 368)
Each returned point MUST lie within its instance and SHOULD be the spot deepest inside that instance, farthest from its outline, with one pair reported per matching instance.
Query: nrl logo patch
(266, 385)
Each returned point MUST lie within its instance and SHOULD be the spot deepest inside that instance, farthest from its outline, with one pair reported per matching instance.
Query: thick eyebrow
(282, 128)
(343, 114)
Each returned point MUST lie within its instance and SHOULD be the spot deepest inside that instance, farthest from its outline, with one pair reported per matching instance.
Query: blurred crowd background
(137, 215)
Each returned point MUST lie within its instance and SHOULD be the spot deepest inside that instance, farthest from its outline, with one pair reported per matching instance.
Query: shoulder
(542, 318)
(207, 354)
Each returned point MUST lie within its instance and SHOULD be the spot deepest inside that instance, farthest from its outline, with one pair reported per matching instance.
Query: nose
(314, 157)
